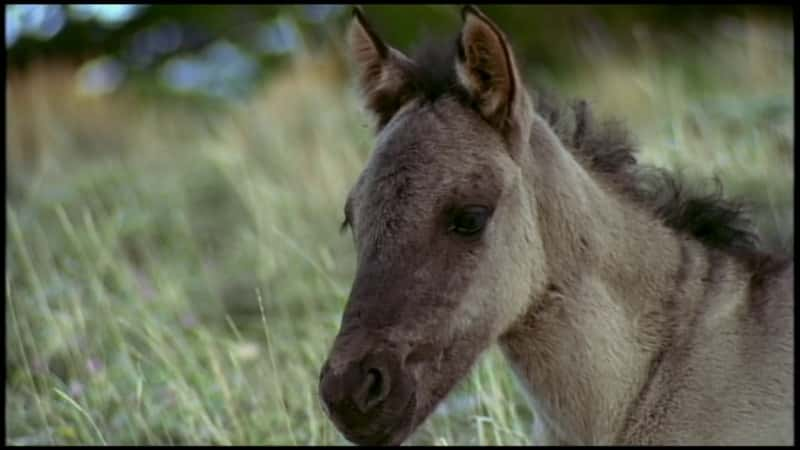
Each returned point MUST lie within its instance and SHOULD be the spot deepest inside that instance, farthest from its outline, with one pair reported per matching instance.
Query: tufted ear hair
(383, 72)
(487, 70)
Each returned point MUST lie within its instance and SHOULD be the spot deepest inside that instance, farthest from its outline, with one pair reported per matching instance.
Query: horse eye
(469, 220)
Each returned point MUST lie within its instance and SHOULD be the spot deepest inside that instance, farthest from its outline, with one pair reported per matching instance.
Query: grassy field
(177, 278)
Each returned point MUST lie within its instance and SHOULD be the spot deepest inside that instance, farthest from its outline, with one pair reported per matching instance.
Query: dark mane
(607, 149)
(434, 72)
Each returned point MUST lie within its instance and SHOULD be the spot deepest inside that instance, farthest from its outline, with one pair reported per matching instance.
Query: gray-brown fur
(632, 310)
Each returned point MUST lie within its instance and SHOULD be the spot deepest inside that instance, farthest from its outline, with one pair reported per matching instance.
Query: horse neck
(585, 346)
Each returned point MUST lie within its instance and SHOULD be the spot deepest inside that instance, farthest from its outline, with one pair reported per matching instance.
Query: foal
(631, 312)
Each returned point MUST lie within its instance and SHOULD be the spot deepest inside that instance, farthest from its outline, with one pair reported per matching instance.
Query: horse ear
(383, 71)
(487, 70)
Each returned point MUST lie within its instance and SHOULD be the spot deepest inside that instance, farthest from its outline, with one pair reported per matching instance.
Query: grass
(177, 278)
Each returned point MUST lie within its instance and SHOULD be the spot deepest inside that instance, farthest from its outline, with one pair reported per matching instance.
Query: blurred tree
(220, 50)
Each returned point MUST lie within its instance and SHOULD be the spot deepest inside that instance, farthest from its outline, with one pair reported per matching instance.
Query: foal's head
(444, 227)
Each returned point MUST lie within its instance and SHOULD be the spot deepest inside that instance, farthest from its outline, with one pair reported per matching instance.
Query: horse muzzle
(371, 400)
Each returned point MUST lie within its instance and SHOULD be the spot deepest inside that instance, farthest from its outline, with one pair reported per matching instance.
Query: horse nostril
(375, 380)
(373, 390)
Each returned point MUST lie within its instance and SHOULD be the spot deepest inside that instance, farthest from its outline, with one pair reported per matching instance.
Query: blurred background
(176, 176)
